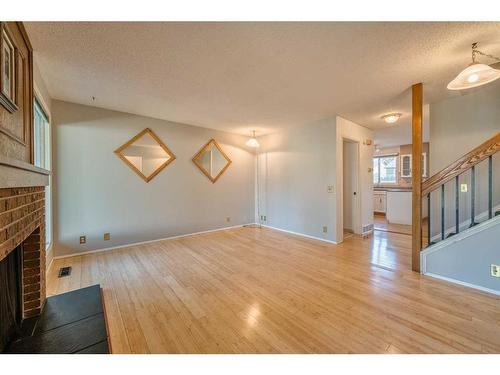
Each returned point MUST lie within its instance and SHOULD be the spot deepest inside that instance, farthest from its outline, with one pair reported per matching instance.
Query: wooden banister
(480, 153)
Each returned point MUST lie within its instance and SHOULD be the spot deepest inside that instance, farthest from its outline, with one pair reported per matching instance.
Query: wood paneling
(251, 290)
(416, 123)
(480, 153)
(16, 127)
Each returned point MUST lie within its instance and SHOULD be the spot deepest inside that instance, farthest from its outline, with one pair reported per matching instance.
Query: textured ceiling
(264, 76)
(400, 134)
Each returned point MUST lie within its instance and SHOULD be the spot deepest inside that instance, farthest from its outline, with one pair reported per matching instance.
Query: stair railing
(453, 172)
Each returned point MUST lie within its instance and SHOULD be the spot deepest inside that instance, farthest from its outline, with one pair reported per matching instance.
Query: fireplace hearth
(22, 259)
(10, 297)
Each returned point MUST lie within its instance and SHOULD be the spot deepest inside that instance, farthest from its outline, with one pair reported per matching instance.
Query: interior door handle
(354, 193)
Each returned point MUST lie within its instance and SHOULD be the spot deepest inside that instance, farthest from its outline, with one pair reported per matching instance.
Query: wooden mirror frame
(119, 150)
(201, 168)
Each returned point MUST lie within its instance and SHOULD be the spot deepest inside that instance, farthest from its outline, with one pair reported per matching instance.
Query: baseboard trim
(300, 234)
(146, 242)
(463, 283)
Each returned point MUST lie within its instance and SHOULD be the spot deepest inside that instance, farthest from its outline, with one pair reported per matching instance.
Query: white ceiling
(400, 133)
(264, 76)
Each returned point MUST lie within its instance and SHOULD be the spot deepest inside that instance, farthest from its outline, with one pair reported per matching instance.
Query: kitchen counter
(399, 207)
(396, 188)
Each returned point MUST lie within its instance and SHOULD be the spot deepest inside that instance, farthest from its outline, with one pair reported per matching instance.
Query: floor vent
(64, 271)
(367, 228)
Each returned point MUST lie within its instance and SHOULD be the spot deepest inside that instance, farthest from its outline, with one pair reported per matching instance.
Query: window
(41, 138)
(384, 169)
(41, 151)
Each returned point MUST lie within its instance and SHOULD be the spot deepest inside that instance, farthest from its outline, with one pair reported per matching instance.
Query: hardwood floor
(250, 290)
(380, 223)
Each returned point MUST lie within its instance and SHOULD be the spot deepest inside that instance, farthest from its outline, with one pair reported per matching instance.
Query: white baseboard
(146, 242)
(300, 234)
(463, 283)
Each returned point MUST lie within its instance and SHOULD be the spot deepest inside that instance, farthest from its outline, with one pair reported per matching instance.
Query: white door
(350, 187)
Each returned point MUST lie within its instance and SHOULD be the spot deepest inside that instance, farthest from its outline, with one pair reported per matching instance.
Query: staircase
(463, 224)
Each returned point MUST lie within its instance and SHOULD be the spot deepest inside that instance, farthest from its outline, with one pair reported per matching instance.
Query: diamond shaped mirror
(145, 154)
(211, 160)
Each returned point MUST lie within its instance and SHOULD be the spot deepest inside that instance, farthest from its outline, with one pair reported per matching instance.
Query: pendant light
(252, 142)
(476, 74)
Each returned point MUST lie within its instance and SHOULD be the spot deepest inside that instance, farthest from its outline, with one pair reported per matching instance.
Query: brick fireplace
(22, 229)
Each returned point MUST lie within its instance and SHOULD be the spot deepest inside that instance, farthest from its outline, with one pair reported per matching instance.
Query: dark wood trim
(29, 132)
(480, 153)
(6, 102)
(417, 146)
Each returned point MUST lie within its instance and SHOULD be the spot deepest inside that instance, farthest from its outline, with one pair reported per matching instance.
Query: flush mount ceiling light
(391, 118)
(252, 142)
(476, 74)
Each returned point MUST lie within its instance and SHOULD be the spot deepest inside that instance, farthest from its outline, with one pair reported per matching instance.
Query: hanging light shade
(252, 142)
(476, 74)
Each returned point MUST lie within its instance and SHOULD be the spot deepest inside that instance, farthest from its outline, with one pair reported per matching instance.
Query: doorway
(350, 188)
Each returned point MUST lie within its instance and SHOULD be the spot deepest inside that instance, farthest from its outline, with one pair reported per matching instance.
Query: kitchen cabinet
(379, 201)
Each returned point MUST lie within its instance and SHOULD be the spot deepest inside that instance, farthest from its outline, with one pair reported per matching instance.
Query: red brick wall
(22, 220)
(34, 272)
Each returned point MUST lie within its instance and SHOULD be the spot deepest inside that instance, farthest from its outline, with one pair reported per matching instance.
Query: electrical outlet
(107, 236)
(325, 229)
(228, 219)
(265, 218)
(83, 239)
(495, 270)
(463, 188)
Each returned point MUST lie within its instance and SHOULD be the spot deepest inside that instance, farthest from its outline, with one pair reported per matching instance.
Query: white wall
(297, 166)
(349, 130)
(95, 192)
(459, 124)
(467, 258)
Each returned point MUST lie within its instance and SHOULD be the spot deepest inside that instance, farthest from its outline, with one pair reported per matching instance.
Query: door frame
(357, 226)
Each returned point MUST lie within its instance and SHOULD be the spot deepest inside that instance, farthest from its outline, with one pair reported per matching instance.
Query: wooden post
(416, 125)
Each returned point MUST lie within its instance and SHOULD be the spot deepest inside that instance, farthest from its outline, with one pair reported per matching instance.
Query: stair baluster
(472, 196)
(457, 202)
(442, 212)
(453, 171)
(490, 186)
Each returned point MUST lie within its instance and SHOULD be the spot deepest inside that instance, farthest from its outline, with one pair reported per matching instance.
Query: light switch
(330, 189)
(495, 270)
(463, 188)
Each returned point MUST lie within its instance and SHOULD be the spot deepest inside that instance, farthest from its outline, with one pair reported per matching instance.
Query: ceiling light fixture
(476, 74)
(252, 142)
(391, 118)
